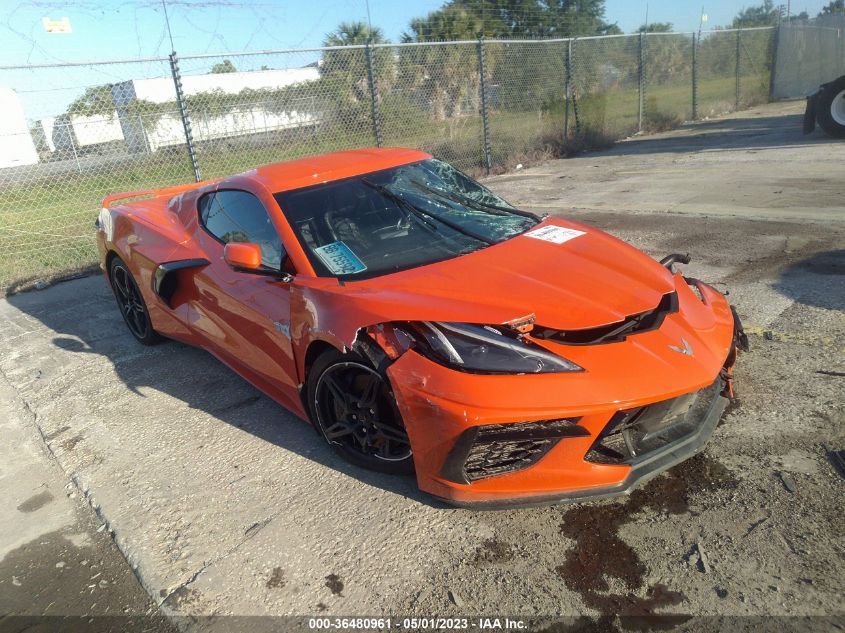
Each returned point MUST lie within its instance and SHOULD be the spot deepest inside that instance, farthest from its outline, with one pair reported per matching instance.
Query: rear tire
(830, 108)
(131, 303)
(352, 406)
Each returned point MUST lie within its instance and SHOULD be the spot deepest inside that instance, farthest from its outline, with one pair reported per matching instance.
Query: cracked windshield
(398, 218)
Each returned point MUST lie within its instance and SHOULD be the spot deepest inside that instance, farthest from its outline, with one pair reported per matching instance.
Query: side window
(238, 216)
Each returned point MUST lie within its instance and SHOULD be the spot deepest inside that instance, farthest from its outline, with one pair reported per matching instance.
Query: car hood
(591, 279)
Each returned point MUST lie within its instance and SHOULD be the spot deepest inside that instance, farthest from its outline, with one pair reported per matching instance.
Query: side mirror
(243, 256)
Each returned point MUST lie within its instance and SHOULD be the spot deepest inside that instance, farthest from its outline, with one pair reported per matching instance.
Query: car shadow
(84, 319)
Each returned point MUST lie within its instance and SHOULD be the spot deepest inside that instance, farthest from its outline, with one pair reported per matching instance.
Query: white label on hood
(554, 234)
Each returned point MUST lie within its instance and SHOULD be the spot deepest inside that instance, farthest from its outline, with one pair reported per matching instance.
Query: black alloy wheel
(131, 303)
(355, 410)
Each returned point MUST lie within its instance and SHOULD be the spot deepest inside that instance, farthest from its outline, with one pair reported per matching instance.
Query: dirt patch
(600, 557)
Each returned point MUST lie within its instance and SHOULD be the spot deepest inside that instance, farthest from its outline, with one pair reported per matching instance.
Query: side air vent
(614, 332)
(495, 449)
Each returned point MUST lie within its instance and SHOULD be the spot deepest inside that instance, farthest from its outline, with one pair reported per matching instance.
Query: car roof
(312, 170)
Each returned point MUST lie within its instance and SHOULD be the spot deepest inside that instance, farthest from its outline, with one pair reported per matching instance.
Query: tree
(837, 6)
(96, 100)
(452, 22)
(351, 33)
(512, 18)
(445, 77)
(347, 70)
(761, 15)
(226, 66)
(656, 27)
(567, 18)
(345, 74)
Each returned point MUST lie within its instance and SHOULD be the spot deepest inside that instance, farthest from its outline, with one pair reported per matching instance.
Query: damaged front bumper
(492, 441)
(690, 436)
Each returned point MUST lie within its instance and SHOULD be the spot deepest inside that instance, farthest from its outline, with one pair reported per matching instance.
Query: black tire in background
(830, 108)
(131, 303)
(352, 406)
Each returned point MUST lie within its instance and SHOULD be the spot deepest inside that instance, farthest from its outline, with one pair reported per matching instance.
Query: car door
(244, 316)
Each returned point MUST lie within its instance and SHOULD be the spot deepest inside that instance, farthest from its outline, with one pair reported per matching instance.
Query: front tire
(353, 408)
(131, 303)
(830, 108)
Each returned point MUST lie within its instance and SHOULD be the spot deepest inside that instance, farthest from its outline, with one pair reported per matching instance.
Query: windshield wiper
(472, 202)
(422, 214)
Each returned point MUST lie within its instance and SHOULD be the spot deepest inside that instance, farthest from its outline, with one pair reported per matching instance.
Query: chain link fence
(73, 133)
(808, 54)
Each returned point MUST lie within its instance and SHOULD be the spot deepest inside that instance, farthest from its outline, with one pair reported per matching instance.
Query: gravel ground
(225, 504)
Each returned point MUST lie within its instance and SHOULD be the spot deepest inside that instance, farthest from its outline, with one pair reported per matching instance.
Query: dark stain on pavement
(599, 554)
(182, 597)
(56, 433)
(277, 578)
(734, 404)
(493, 551)
(70, 443)
(335, 584)
(50, 583)
(36, 501)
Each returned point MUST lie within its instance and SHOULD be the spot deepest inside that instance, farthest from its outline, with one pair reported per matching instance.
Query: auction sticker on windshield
(555, 234)
(339, 259)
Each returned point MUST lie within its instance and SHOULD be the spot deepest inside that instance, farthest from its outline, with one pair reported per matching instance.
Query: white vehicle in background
(827, 107)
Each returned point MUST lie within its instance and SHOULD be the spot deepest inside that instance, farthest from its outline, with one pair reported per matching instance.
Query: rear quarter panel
(145, 234)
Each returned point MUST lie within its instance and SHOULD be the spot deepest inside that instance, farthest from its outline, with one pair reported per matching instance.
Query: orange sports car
(424, 324)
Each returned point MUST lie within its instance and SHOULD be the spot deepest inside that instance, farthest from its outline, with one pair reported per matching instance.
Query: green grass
(46, 221)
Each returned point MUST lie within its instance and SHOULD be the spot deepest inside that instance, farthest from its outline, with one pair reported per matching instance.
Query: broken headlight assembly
(480, 349)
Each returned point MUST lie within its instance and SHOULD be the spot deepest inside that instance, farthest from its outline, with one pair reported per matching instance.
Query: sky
(136, 28)
(129, 29)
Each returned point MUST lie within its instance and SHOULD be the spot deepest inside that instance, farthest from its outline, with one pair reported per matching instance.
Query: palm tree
(352, 33)
(446, 75)
(348, 68)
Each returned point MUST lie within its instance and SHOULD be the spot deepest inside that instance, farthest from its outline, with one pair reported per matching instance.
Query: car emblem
(686, 349)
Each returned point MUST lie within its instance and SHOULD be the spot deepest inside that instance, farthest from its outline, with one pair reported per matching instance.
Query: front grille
(634, 433)
(495, 449)
(613, 332)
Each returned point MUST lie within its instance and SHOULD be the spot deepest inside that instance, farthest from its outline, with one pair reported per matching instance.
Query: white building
(16, 145)
(165, 129)
(72, 133)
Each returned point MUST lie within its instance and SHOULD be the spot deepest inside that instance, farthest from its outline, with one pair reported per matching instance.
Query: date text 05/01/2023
(417, 623)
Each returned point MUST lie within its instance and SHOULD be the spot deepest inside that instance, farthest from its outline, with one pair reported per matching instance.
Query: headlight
(477, 348)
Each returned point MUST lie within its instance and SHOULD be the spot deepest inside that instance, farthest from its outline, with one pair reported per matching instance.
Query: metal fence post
(738, 47)
(183, 112)
(572, 49)
(485, 122)
(774, 63)
(374, 111)
(568, 90)
(641, 82)
(694, 77)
